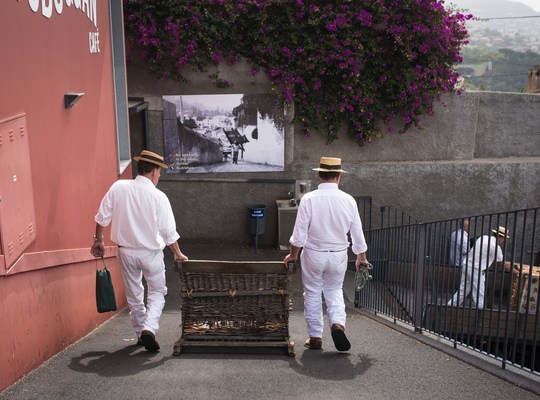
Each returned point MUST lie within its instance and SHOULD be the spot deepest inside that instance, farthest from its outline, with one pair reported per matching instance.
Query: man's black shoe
(149, 341)
(340, 339)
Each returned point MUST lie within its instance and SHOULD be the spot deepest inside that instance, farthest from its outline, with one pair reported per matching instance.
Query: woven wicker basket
(240, 303)
(528, 283)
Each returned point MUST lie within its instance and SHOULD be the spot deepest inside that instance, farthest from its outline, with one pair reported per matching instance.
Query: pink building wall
(47, 293)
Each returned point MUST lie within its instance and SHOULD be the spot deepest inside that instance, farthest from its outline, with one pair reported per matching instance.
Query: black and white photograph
(223, 133)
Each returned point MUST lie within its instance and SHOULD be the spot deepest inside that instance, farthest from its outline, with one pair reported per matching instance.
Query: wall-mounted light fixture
(70, 99)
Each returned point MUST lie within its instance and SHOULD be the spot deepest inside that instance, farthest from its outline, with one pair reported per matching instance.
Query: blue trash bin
(256, 220)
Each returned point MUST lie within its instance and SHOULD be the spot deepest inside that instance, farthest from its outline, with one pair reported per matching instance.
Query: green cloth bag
(105, 299)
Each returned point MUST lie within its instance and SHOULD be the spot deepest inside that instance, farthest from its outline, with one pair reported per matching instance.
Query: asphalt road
(383, 363)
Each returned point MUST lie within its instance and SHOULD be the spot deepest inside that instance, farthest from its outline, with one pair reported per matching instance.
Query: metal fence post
(419, 278)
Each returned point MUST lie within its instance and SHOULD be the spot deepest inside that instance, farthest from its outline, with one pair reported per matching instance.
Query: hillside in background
(503, 48)
(493, 8)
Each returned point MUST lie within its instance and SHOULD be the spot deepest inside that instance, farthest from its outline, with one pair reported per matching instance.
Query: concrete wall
(479, 153)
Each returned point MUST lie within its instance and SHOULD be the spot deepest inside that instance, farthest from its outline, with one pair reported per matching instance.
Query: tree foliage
(350, 63)
(508, 69)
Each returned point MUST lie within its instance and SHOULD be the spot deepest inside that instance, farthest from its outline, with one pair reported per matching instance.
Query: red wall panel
(73, 150)
(17, 214)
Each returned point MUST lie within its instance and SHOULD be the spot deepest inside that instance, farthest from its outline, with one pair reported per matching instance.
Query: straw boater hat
(501, 232)
(152, 158)
(330, 164)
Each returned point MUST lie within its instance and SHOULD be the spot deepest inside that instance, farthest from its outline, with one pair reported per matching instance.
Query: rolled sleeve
(171, 237)
(105, 211)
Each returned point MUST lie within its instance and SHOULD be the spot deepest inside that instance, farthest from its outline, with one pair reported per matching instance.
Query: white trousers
(472, 281)
(135, 264)
(323, 272)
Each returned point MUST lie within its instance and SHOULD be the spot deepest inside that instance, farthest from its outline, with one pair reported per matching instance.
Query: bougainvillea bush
(350, 64)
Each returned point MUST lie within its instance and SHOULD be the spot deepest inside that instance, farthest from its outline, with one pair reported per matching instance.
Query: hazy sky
(534, 4)
(216, 100)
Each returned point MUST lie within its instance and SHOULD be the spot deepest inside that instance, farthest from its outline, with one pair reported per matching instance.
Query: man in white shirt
(485, 251)
(142, 225)
(324, 218)
(459, 244)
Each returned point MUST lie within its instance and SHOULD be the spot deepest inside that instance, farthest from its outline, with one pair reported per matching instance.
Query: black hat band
(150, 158)
(326, 166)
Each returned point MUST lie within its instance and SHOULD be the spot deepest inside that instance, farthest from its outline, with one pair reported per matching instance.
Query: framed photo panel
(223, 133)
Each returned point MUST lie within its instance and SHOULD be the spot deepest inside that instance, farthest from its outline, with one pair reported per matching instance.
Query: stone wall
(479, 153)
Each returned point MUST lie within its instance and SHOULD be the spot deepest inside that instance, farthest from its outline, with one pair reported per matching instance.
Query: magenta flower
(343, 63)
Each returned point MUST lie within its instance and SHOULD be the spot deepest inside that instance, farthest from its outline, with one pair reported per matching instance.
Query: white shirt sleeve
(301, 225)
(499, 256)
(105, 211)
(166, 222)
(359, 244)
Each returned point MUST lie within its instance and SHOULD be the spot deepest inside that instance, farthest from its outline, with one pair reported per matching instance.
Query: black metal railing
(389, 216)
(414, 282)
(365, 205)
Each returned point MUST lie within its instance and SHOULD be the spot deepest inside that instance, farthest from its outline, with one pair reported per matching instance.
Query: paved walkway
(385, 362)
